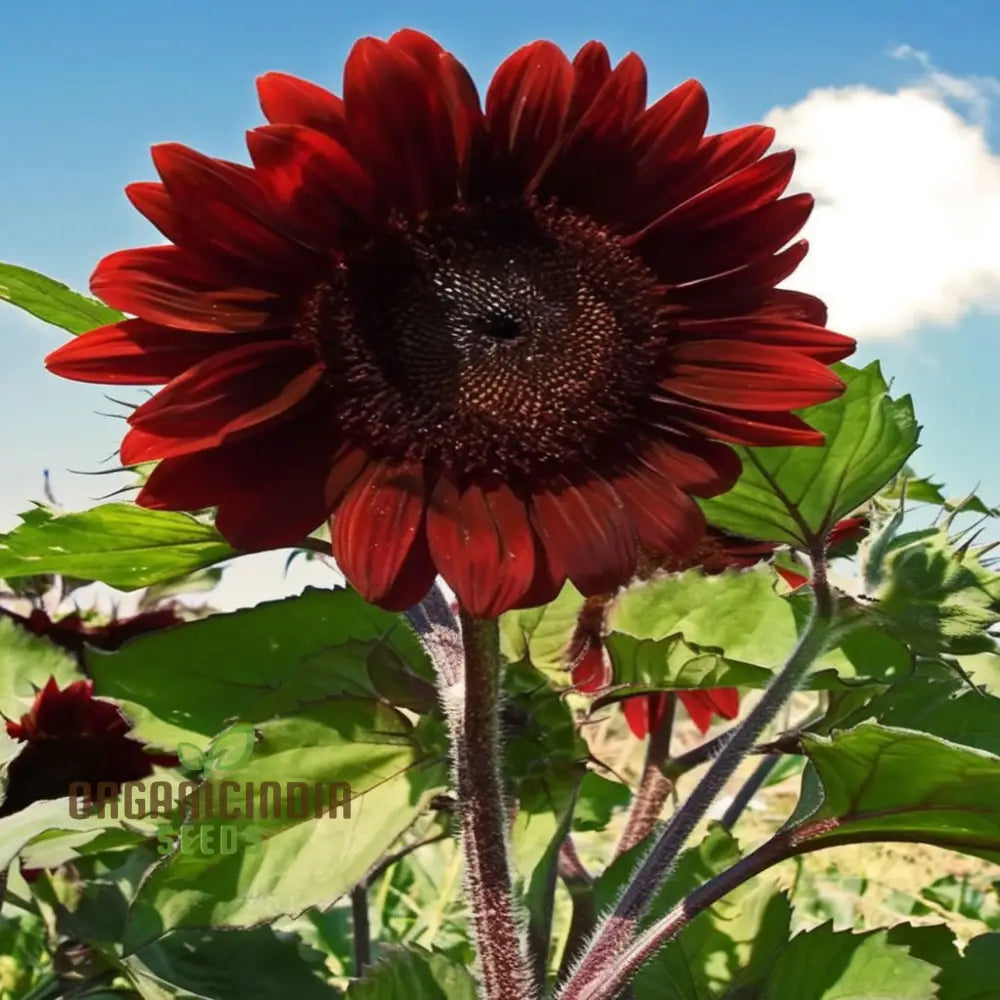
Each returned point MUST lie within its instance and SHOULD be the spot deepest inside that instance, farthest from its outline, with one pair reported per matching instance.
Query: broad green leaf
(690, 630)
(225, 965)
(53, 302)
(938, 704)
(542, 635)
(231, 869)
(414, 974)
(26, 663)
(823, 964)
(878, 783)
(976, 976)
(188, 682)
(544, 758)
(721, 949)
(793, 495)
(118, 544)
(597, 801)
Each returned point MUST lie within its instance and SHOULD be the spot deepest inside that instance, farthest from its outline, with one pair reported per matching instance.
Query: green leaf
(414, 974)
(690, 630)
(118, 544)
(822, 964)
(542, 635)
(597, 801)
(225, 965)
(938, 704)
(977, 975)
(28, 661)
(795, 495)
(188, 682)
(231, 869)
(879, 783)
(53, 302)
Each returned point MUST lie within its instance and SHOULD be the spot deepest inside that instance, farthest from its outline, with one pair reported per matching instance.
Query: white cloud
(906, 230)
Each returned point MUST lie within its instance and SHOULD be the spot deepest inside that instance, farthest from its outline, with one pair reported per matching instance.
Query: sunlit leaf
(53, 302)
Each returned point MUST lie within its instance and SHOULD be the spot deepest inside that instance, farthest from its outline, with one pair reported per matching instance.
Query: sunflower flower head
(504, 341)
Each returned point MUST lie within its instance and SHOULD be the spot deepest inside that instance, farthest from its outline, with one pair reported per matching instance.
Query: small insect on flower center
(506, 338)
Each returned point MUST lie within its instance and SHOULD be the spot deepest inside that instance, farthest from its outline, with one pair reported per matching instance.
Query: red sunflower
(71, 736)
(504, 343)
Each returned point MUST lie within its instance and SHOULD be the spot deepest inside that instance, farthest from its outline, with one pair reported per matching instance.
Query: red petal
(751, 376)
(376, 525)
(268, 488)
(483, 545)
(735, 197)
(320, 189)
(591, 67)
(704, 468)
(593, 670)
(586, 528)
(225, 207)
(666, 519)
(135, 352)
(287, 100)
(636, 711)
(526, 106)
(788, 336)
(722, 248)
(400, 127)
(461, 99)
(230, 392)
(725, 701)
(741, 426)
(181, 289)
(793, 579)
(699, 708)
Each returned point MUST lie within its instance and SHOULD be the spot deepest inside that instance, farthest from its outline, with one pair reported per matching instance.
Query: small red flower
(505, 342)
(71, 736)
(72, 633)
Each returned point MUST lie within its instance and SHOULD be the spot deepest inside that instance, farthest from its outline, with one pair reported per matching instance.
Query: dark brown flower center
(515, 340)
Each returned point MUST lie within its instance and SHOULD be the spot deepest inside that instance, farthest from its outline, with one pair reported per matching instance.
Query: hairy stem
(654, 786)
(598, 977)
(472, 707)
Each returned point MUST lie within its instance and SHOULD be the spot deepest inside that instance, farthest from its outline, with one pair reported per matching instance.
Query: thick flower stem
(472, 703)
(599, 976)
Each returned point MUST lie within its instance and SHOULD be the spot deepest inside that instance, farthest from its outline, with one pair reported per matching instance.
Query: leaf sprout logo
(228, 752)
(210, 812)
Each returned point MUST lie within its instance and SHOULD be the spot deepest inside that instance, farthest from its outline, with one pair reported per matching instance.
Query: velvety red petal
(526, 106)
(741, 426)
(376, 525)
(287, 100)
(586, 528)
(399, 125)
(483, 545)
(229, 393)
(591, 67)
(783, 303)
(135, 352)
(323, 193)
(698, 707)
(460, 96)
(666, 519)
(789, 337)
(722, 248)
(793, 579)
(269, 489)
(703, 468)
(177, 288)
(750, 376)
(734, 197)
(224, 205)
(636, 712)
(593, 670)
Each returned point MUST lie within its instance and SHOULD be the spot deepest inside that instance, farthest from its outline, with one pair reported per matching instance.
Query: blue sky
(896, 139)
